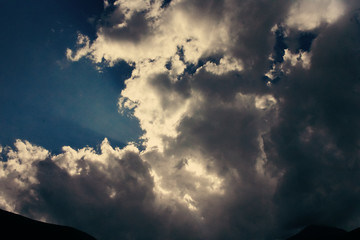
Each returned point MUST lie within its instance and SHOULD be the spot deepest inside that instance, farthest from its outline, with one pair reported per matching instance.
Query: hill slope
(325, 233)
(14, 226)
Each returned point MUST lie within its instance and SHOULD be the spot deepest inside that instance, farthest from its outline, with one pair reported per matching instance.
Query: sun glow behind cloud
(177, 37)
(216, 136)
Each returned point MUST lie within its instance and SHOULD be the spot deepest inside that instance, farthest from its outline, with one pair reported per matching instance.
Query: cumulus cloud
(307, 15)
(225, 65)
(108, 193)
(203, 124)
(19, 171)
(316, 141)
(249, 118)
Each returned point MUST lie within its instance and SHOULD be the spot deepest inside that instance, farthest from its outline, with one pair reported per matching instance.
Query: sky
(181, 119)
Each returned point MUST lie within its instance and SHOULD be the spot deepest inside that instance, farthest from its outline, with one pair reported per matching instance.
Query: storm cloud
(250, 119)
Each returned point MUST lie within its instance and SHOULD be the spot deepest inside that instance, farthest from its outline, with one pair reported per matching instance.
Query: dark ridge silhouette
(14, 226)
(315, 232)
(354, 234)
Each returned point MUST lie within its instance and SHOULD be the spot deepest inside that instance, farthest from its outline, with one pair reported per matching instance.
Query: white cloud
(307, 15)
(301, 58)
(20, 164)
(190, 202)
(73, 160)
(158, 110)
(265, 102)
(177, 26)
(177, 66)
(84, 48)
(18, 172)
(114, 180)
(226, 65)
(179, 176)
(128, 8)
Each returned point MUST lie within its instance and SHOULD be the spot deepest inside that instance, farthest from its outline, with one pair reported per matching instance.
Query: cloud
(108, 194)
(316, 141)
(203, 121)
(18, 172)
(225, 65)
(249, 118)
(307, 15)
(196, 94)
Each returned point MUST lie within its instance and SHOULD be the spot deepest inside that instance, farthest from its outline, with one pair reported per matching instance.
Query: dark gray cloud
(84, 200)
(229, 135)
(109, 195)
(316, 143)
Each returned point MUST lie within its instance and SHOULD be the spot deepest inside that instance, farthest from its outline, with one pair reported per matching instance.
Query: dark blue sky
(45, 98)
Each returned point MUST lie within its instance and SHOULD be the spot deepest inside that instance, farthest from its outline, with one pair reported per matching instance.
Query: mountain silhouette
(316, 232)
(14, 226)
